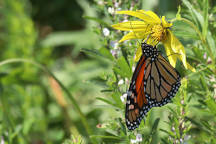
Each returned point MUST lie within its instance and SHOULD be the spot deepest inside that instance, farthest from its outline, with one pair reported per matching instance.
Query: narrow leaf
(205, 25)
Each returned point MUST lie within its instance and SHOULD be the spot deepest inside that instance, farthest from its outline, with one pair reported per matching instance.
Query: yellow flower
(154, 30)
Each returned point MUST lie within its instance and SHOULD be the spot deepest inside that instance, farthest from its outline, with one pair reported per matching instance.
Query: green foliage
(74, 140)
(190, 118)
(64, 77)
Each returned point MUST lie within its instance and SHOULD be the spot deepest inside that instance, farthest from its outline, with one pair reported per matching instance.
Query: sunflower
(153, 29)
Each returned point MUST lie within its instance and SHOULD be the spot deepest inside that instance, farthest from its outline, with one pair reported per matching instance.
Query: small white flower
(113, 52)
(2, 140)
(125, 42)
(116, 4)
(121, 81)
(173, 129)
(114, 44)
(127, 81)
(133, 68)
(214, 86)
(138, 137)
(209, 60)
(187, 137)
(106, 31)
(111, 10)
(125, 20)
(123, 97)
(119, 9)
(212, 79)
(205, 56)
(133, 141)
(100, 2)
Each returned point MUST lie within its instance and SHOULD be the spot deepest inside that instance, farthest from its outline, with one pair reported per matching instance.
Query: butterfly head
(149, 51)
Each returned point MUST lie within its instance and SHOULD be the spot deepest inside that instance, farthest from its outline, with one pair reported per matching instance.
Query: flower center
(158, 32)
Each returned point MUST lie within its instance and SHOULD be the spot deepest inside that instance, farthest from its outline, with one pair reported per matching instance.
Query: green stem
(83, 119)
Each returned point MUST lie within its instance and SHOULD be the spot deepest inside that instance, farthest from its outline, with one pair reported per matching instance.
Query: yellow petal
(191, 68)
(135, 35)
(138, 54)
(165, 23)
(178, 48)
(170, 53)
(152, 15)
(174, 50)
(131, 26)
(141, 15)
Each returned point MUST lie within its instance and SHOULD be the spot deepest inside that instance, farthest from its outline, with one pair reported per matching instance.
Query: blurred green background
(60, 72)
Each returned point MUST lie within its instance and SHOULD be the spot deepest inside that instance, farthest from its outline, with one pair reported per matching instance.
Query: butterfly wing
(153, 84)
(136, 98)
(161, 82)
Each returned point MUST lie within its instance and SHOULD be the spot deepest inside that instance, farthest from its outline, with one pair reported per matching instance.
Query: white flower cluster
(106, 32)
(137, 140)
(2, 140)
(123, 97)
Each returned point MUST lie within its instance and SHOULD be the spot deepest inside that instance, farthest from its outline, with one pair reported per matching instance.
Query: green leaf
(105, 137)
(203, 82)
(116, 98)
(174, 112)
(92, 52)
(80, 39)
(211, 42)
(1, 90)
(155, 125)
(106, 90)
(106, 53)
(206, 124)
(167, 132)
(122, 125)
(18, 129)
(165, 141)
(205, 25)
(197, 17)
(211, 105)
(105, 100)
(122, 68)
(3, 74)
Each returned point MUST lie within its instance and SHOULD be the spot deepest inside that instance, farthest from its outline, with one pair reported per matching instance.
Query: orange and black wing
(153, 84)
(136, 98)
(161, 82)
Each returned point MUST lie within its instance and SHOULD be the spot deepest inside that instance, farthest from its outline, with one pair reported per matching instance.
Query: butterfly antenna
(174, 54)
(171, 54)
(147, 38)
(147, 35)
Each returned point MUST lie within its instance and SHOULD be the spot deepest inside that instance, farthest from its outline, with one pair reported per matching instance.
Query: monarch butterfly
(154, 83)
